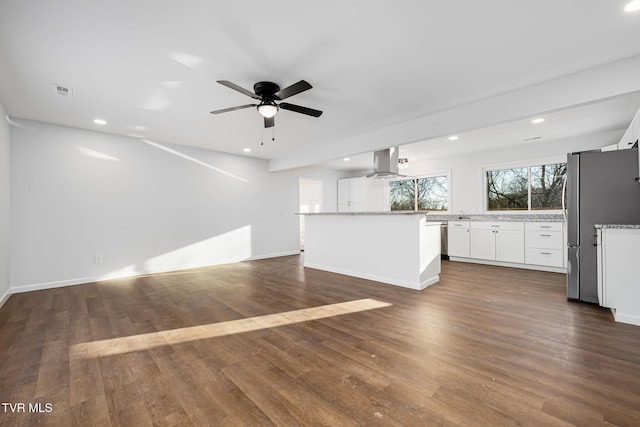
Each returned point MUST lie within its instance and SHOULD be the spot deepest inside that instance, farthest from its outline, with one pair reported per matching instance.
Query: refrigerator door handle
(573, 272)
(564, 194)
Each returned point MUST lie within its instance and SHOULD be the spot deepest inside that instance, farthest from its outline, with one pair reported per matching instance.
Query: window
(402, 195)
(432, 193)
(507, 189)
(537, 187)
(429, 193)
(546, 185)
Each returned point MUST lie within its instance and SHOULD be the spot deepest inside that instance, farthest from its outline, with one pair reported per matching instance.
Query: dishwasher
(444, 241)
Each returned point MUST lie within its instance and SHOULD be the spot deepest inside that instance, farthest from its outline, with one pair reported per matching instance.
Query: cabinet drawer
(458, 224)
(544, 239)
(549, 257)
(497, 225)
(544, 226)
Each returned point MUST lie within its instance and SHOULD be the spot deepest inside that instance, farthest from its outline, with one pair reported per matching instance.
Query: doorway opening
(309, 200)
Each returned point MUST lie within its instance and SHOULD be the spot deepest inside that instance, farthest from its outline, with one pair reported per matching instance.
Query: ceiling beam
(589, 86)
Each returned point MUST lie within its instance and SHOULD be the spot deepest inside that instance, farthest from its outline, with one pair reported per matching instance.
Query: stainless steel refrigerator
(601, 188)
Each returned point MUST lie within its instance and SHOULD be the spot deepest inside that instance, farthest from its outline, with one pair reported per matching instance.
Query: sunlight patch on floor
(141, 342)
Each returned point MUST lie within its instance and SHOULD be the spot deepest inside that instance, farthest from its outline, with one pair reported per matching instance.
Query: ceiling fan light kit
(267, 109)
(268, 93)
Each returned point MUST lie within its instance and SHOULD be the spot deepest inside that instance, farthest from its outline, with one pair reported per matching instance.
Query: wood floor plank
(484, 346)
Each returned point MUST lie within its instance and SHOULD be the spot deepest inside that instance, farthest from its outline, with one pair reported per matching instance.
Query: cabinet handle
(545, 226)
(545, 235)
(495, 226)
(545, 253)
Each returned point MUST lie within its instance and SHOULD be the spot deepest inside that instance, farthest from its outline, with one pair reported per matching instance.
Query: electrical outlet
(97, 259)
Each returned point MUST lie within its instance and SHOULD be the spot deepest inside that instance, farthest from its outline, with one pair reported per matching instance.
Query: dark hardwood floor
(234, 345)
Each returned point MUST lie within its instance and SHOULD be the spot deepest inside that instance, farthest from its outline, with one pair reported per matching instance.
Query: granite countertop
(618, 226)
(364, 213)
(495, 217)
(451, 217)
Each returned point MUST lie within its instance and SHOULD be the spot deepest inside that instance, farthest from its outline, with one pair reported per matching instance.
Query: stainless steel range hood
(385, 164)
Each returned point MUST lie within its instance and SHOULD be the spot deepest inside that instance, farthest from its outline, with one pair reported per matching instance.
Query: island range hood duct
(385, 164)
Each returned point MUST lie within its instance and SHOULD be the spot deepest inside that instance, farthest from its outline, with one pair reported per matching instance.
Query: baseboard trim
(388, 280)
(629, 319)
(102, 278)
(5, 297)
(510, 264)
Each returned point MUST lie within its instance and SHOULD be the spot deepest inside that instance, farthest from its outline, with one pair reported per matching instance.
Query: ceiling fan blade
(294, 89)
(226, 110)
(269, 122)
(299, 109)
(238, 88)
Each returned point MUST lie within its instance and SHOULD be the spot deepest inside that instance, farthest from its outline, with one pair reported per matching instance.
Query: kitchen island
(398, 248)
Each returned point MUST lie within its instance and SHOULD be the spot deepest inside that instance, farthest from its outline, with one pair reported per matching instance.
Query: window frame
(513, 165)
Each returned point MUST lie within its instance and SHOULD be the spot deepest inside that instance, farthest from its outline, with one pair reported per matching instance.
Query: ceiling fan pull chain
(273, 133)
(262, 136)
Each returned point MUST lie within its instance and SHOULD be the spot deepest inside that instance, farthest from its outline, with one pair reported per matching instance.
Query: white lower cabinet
(483, 243)
(458, 239)
(544, 244)
(619, 273)
(539, 244)
(510, 245)
(497, 241)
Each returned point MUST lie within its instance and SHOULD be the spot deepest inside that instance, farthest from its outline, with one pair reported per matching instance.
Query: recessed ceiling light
(633, 6)
(99, 122)
(538, 120)
(346, 159)
(453, 137)
(246, 150)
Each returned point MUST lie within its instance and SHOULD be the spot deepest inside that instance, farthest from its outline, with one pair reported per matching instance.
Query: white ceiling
(597, 118)
(149, 68)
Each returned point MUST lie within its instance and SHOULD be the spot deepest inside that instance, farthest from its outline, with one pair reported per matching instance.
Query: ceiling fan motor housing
(266, 90)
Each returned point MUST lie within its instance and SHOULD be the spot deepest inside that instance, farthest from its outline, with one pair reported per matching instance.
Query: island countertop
(617, 226)
(364, 213)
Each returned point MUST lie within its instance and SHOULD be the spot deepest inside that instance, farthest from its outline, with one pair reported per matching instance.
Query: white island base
(400, 249)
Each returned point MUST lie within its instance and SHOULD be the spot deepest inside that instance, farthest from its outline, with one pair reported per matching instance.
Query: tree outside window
(526, 188)
(546, 185)
(402, 195)
(432, 194)
(508, 189)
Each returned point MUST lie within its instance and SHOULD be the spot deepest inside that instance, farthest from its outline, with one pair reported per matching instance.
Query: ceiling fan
(268, 93)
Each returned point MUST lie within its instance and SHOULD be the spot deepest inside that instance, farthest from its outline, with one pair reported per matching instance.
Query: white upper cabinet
(631, 136)
(632, 133)
(362, 195)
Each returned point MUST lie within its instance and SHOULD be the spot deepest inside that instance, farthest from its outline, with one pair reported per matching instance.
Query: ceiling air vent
(62, 90)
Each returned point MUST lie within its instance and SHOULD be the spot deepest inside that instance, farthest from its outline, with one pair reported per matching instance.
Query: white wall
(466, 171)
(139, 206)
(5, 209)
